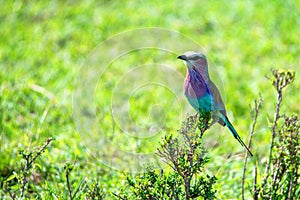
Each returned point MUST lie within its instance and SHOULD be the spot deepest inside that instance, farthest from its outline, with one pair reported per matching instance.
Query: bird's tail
(233, 131)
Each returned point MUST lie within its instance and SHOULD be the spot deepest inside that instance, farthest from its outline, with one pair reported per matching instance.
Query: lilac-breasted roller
(202, 93)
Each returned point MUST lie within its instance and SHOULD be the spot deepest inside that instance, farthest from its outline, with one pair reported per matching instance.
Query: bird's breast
(194, 88)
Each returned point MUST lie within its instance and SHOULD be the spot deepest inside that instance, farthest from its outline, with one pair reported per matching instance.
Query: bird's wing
(218, 102)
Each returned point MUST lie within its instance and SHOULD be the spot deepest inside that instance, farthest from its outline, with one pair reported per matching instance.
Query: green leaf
(11, 177)
(37, 165)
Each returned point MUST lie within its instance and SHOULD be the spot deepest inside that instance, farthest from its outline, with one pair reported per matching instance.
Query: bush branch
(254, 113)
(29, 160)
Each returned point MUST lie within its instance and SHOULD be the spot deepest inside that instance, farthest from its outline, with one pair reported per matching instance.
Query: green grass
(44, 45)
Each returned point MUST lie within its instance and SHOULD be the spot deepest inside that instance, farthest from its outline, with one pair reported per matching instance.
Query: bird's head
(195, 61)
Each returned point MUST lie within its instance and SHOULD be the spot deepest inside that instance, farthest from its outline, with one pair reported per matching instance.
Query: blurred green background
(44, 44)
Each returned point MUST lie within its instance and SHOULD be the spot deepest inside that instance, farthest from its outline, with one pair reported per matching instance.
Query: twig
(255, 189)
(116, 195)
(28, 164)
(280, 81)
(41, 150)
(274, 127)
(291, 186)
(172, 151)
(68, 170)
(254, 113)
(12, 195)
(94, 192)
(281, 78)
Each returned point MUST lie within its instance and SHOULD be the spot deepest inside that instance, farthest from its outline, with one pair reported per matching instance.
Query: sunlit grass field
(44, 46)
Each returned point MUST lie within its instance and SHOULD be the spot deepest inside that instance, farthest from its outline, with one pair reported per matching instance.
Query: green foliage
(186, 178)
(153, 184)
(22, 183)
(19, 189)
(281, 178)
(81, 188)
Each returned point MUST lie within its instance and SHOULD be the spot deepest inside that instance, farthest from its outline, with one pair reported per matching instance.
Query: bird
(203, 94)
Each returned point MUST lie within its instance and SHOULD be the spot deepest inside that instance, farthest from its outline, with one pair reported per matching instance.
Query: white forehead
(192, 54)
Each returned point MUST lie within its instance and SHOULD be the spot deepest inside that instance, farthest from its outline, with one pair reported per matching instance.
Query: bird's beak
(182, 57)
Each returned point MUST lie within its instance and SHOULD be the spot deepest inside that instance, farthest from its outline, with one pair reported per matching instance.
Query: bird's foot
(195, 115)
